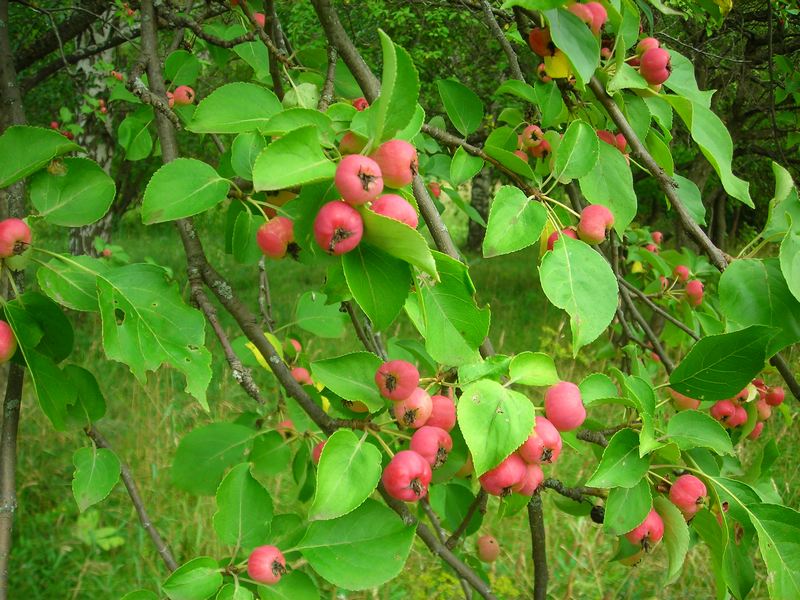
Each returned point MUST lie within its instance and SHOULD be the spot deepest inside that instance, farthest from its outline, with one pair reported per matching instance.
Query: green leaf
(399, 240)
(77, 193)
(534, 368)
(694, 429)
(464, 166)
(596, 388)
(181, 68)
(380, 283)
(140, 595)
(579, 280)
(690, 195)
(245, 149)
(532, 4)
(198, 579)
(244, 246)
(235, 108)
(784, 208)
(348, 472)
(517, 88)
(548, 98)
(55, 338)
(509, 160)
(625, 78)
(396, 105)
(25, 150)
(96, 474)
(620, 465)
(578, 152)
(515, 222)
(182, 188)
(720, 366)
(682, 80)
(72, 283)
(576, 40)
(316, 317)
(231, 591)
(294, 159)
(134, 136)
(454, 325)
(270, 454)
(463, 106)
(644, 398)
(295, 118)
(676, 536)
(754, 292)
(204, 454)
(626, 508)
(352, 377)
(90, 405)
(146, 323)
(495, 421)
(451, 501)
(778, 530)
(714, 141)
(610, 183)
(244, 509)
(292, 586)
(790, 261)
(361, 550)
(256, 55)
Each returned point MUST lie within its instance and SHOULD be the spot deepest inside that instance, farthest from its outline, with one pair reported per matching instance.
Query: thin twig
(593, 437)
(478, 504)
(538, 547)
(513, 61)
(437, 528)
(264, 297)
(366, 340)
(656, 308)
(133, 491)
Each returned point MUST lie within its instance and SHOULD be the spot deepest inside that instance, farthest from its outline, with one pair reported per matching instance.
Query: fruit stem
(569, 209)
(383, 443)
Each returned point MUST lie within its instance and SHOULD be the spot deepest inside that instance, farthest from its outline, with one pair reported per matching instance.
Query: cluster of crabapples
(531, 142)
(15, 237)
(360, 181)
(693, 288)
(651, 59)
(731, 412)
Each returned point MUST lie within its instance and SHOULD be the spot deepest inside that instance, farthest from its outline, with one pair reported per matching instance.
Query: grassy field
(104, 553)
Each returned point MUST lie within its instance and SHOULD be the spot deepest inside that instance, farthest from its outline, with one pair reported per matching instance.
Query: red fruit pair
(512, 475)
(618, 140)
(563, 406)
(407, 476)
(592, 13)
(275, 237)
(266, 564)
(729, 414)
(595, 221)
(655, 66)
(15, 237)
(543, 445)
(694, 292)
(567, 231)
(688, 494)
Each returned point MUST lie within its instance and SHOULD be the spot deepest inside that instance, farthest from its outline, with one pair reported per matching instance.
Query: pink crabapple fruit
(764, 410)
(567, 231)
(338, 228)
(54, 125)
(397, 379)
(501, 480)
(541, 72)
(563, 406)
(15, 237)
(266, 564)
(443, 413)
(723, 411)
(581, 11)
(351, 143)
(183, 95)
(596, 221)
(599, 16)
(683, 402)
(530, 136)
(433, 444)
(413, 412)
(681, 272)
(520, 154)
(739, 417)
(647, 44)
(275, 236)
(296, 345)
(397, 208)
(531, 480)
(260, 19)
(302, 376)
(652, 248)
(407, 476)
(694, 292)
(649, 532)
(756, 433)
(360, 104)
(397, 160)
(655, 66)
(774, 397)
(435, 189)
(358, 179)
(543, 445)
(540, 42)
(687, 493)
(316, 453)
(540, 149)
(488, 548)
(657, 237)
(8, 343)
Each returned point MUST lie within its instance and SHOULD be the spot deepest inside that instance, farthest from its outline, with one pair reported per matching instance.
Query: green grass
(55, 557)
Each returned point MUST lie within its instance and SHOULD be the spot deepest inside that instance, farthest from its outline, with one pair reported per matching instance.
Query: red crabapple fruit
(683, 402)
(531, 480)
(687, 493)
(540, 149)
(563, 406)
(543, 445)
(397, 379)
(397, 208)
(360, 104)
(260, 19)
(595, 221)
(501, 480)
(302, 376)
(358, 179)
(488, 548)
(655, 66)
(723, 411)
(774, 397)
(407, 476)
(649, 532)
(435, 189)
(540, 42)
(567, 231)
(681, 272)
(764, 410)
(599, 16)
(316, 453)
(413, 411)
(397, 160)
(8, 343)
(694, 292)
(647, 44)
(433, 444)
(275, 236)
(183, 95)
(15, 237)
(351, 143)
(657, 237)
(739, 417)
(443, 413)
(266, 564)
(756, 433)
(338, 228)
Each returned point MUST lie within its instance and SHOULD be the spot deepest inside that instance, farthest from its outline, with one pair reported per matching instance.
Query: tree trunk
(480, 200)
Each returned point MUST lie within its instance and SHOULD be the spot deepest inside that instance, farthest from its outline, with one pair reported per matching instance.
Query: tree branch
(478, 504)
(538, 547)
(656, 308)
(576, 493)
(326, 98)
(133, 491)
(498, 34)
